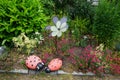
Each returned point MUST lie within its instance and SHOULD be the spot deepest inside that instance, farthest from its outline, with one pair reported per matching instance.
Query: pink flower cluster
(115, 68)
(114, 63)
(85, 60)
(63, 45)
(45, 57)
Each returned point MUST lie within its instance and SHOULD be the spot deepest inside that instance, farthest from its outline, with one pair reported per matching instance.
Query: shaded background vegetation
(27, 16)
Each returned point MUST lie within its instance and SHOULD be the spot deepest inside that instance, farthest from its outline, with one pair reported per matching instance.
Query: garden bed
(79, 36)
(14, 62)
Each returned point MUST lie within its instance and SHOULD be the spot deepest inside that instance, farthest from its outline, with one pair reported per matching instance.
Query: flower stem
(56, 44)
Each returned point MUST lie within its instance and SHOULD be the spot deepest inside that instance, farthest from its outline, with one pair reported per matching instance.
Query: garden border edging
(59, 72)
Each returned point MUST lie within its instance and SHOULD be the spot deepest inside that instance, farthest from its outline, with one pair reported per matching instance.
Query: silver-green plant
(38, 37)
(24, 43)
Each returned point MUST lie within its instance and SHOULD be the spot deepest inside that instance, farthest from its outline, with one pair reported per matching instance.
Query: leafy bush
(81, 8)
(37, 36)
(17, 16)
(24, 44)
(78, 28)
(49, 7)
(107, 22)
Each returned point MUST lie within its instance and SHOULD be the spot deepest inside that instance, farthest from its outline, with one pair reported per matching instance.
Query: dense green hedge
(18, 16)
(107, 22)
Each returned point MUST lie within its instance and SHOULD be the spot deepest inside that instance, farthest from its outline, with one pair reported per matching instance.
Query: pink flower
(115, 68)
(101, 69)
(80, 64)
(46, 55)
(72, 50)
(44, 60)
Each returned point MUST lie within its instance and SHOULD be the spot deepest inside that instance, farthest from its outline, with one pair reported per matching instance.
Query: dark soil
(15, 60)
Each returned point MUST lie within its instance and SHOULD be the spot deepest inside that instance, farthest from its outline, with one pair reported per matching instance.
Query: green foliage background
(107, 22)
(17, 16)
(30, 16)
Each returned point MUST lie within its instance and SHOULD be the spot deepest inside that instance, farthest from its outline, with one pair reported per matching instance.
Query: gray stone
(22, 71)
(90, 74)
(2, 71)
(2, 50)
(54, 73)
(59, 72)
(62, 72)
(78, 73)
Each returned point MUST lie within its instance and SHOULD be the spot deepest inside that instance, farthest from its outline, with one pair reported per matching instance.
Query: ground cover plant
(83, 43)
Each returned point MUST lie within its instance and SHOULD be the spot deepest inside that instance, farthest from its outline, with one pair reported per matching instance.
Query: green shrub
(49, 7)
(81, 8)
(78, 28)
(17, 16)
(107, 22)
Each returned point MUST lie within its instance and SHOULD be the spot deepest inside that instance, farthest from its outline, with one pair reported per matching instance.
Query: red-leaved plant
(87, 59)
(114, 60)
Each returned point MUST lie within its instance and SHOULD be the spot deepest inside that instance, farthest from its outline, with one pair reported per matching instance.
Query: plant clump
(24, 43)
